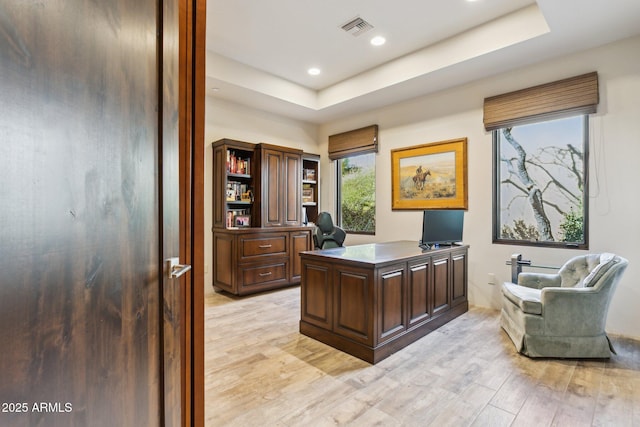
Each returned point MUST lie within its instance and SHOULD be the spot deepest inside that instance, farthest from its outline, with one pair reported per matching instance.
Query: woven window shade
(354, 142)
(572, 96)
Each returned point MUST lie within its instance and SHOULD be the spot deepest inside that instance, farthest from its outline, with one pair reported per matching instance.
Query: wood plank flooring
(260, 371)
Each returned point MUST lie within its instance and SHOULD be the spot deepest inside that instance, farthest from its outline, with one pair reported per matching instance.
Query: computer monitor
(441, 227)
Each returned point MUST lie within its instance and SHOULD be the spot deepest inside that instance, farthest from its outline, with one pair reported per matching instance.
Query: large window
(540, 192)
(357, 193)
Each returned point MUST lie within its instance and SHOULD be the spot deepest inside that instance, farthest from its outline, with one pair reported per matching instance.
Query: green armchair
(563, 315)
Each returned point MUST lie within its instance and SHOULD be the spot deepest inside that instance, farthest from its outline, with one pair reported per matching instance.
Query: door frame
(192, 16)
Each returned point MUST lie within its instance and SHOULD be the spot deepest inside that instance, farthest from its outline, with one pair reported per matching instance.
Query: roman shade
(572, 96)
(354, 142)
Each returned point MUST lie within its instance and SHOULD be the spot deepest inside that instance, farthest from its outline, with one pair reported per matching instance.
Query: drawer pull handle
(264, 246)
(265, 274)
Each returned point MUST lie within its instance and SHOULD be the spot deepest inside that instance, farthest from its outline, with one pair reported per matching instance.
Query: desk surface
(377, 253)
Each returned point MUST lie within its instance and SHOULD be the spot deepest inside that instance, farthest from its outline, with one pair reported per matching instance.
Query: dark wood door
(87, 215)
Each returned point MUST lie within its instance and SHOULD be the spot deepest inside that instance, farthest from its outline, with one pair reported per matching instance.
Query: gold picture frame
(430, 176)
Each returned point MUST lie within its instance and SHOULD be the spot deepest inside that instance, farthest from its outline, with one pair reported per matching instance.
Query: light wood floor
(260, 371)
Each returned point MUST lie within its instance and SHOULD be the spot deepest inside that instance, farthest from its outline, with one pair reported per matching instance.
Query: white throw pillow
(606, 260)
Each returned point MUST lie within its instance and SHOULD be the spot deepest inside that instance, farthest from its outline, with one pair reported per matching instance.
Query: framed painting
(430, 176)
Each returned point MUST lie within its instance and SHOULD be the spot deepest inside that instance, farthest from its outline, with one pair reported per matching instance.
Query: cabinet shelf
(238, 175)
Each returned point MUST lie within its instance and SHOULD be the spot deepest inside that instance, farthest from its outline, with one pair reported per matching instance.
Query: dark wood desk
(373, 300)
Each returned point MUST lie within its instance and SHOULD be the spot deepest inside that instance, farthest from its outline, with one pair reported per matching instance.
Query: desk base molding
(386, 349)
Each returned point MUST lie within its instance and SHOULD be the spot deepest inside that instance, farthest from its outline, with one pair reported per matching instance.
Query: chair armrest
(539, 280)
(574, 311)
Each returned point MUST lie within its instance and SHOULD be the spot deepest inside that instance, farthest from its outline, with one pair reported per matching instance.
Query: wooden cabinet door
(441, 288)
(420, 291)
(272, 192)
(300, 241)
(292, 186)
(391, 288)
(316, 295)
(458, 277)
(224, 261)
(353, 303)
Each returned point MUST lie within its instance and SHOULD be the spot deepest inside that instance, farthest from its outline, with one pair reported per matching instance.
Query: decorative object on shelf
(247, 196)
(430, 176)
(243, 221)
(309, 175)
(307, 194)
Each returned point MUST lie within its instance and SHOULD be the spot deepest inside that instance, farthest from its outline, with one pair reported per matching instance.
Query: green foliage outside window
(358, 194)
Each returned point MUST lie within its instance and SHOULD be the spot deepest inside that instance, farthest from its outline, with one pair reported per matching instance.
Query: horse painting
(420, 177)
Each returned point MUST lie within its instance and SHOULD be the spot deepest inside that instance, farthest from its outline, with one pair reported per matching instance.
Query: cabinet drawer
(255, 246)
(255, 275)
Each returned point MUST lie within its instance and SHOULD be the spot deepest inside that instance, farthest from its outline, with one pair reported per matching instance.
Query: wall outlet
(492, 279)
(206, 268)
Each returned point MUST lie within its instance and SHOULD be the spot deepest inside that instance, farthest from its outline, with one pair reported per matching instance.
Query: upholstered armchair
(327, 235)
(564, 314)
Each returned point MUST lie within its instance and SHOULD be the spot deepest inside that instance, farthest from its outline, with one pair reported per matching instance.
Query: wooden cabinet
(261, 183)
(253, 260)
(372, 300)
(310, 187)
(279, 186)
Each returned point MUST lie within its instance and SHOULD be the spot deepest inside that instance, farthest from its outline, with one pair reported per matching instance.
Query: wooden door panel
(293, 192)
(441, 298)
(353, 304)
(80, 207)
(272, 188)
(418, 288)
(458, 278)
(317, 295)
(391, 304)
(300, 241)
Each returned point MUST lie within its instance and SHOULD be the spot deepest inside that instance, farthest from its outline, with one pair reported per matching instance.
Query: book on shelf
(307, 194)
(237, 164)
(238, 191)
(309, 174)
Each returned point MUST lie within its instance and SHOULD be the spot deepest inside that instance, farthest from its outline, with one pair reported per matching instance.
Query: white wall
(614, 170)
(614, 166)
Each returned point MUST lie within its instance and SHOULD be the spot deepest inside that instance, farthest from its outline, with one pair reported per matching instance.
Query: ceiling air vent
(357, 26)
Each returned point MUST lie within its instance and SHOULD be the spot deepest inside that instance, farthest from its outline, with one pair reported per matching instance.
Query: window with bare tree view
(540, 177)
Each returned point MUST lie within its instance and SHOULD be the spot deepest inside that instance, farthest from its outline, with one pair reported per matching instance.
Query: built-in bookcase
(310, 186)
(233, 183)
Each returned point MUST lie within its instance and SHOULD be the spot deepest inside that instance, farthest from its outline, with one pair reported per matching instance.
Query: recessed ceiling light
(378, 41)
(313, 71)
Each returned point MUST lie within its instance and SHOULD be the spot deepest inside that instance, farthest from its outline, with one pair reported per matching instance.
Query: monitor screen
(441, 227)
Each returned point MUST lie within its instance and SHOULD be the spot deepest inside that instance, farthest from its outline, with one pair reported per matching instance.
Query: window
(540, 147)
(357, 193)
(540, 183)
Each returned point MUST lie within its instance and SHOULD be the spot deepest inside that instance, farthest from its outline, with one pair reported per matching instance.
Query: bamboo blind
(575, 95)
(358, 141)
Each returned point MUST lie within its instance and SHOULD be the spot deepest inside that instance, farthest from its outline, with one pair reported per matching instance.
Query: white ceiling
(258, 52)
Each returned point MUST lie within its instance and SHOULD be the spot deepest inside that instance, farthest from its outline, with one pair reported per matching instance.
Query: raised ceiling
(258, 52)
